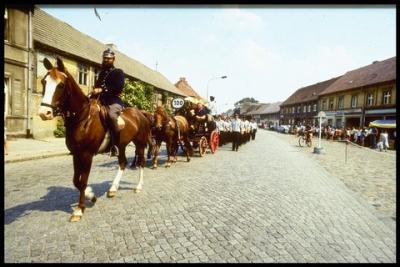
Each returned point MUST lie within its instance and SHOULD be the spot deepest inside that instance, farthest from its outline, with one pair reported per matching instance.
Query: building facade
(47, 37)
(301, 108)
(18, 58)
(361, 96)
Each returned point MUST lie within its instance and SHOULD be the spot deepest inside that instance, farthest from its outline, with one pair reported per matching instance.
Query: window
(370, 99)
(341, 102)
(309, 108)
(331, 104)
(386, 97)
(6, 26)
(83, 73)
(298, 109)
(304, 109)
(293, 109)
(354, 101)
(323, 105)
(315, 107)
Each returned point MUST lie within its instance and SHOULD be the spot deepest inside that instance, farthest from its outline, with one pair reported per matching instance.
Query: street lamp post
(213, 78)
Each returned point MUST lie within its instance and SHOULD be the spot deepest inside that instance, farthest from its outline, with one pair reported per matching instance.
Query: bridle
(62, 109)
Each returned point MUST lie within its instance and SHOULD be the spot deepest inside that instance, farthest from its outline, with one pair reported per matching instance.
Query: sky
(267, 52)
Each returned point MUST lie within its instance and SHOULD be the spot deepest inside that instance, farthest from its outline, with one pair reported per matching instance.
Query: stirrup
(114, 152)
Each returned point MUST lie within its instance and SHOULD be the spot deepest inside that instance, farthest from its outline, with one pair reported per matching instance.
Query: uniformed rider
(109, 85)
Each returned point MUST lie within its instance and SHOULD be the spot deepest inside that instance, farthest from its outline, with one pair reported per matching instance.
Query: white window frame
(315, 107)
(354, 100)
(341, 102)
(83, 74)
(370, 99)
(386, 97)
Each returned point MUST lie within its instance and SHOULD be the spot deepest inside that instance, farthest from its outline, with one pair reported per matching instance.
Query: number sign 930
(177, 102)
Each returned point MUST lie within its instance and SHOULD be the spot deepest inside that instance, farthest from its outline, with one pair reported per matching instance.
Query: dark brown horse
(171, 131)
(86, 129)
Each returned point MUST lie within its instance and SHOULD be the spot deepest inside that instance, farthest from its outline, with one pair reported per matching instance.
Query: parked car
(283, 129)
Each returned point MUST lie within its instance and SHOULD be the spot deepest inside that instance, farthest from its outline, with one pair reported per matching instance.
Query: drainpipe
(362, 121)
(29, 90)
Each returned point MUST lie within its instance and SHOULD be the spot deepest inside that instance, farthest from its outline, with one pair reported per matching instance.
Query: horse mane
(75, 84)
(163, 113)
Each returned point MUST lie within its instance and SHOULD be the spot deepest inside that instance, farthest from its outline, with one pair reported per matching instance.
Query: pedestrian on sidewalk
(373, 134)
(383, 143)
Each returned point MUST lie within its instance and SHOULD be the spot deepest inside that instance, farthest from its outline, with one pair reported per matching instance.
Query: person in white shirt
(236, 124)
(253, 127)
(212, 106)
(383, 143)
(221, 130)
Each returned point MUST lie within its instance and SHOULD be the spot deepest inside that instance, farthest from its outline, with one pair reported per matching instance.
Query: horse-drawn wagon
(203, 135)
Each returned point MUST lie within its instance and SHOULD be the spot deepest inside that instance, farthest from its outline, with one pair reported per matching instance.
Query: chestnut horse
(171, 131)
(86, 129)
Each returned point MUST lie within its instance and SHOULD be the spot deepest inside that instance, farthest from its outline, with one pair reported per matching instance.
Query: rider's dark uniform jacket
(112, 81)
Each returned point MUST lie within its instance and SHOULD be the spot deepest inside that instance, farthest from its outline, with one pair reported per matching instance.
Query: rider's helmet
(108, 53)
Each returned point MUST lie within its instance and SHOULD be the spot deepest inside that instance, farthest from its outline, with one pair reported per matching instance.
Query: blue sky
(266, 52)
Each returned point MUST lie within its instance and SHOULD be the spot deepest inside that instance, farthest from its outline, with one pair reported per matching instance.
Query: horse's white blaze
(115, 184)
(89, 193)
(51, 86)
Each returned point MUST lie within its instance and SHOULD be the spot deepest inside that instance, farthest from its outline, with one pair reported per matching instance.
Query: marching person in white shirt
(212, 106)
(254, 127)
(221, 130)
(236, 124)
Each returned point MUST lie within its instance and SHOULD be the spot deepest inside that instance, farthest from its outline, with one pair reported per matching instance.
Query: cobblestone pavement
(254, 205)
(369, 173)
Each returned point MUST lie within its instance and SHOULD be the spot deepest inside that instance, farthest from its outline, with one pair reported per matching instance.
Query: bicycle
(305, 139)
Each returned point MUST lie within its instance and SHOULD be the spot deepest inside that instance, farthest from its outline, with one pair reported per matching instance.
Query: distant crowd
(363, 136)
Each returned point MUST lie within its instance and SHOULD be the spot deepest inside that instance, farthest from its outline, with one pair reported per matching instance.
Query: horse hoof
(137, 190)
(188, 160)
(94, 199)
(111, 194)
(75, 218)
(154, 167)
(167, 166)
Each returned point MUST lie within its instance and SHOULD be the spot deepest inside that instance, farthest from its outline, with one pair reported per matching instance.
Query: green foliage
(60, 130)
(246, 100)
(138, 94)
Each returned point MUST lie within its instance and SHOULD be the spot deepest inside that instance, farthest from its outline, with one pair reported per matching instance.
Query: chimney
(376, 61)
(112, 46)
(182, 79)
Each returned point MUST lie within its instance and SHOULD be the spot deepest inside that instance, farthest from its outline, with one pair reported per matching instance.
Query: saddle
(96, 107)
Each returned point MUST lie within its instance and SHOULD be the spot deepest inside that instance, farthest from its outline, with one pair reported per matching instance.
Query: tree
(138, 94)
(246, 100)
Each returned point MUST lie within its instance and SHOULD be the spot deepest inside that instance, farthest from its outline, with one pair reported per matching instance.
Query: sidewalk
(22, 149)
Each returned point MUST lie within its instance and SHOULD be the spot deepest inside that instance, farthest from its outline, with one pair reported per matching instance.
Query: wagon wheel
(302, 141)
(214, 141)
(203, 144)
(309, 142)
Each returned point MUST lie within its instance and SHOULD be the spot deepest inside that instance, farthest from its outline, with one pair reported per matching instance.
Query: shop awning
(388, 124)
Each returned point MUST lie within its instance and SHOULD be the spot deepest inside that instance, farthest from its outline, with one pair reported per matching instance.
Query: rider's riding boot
(114, 151)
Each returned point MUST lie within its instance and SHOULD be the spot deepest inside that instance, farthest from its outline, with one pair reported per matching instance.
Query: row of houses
(30, 35)
(350, 100)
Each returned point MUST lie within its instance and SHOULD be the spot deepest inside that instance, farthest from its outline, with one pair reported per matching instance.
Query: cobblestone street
(271, 201)
(370, 174)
